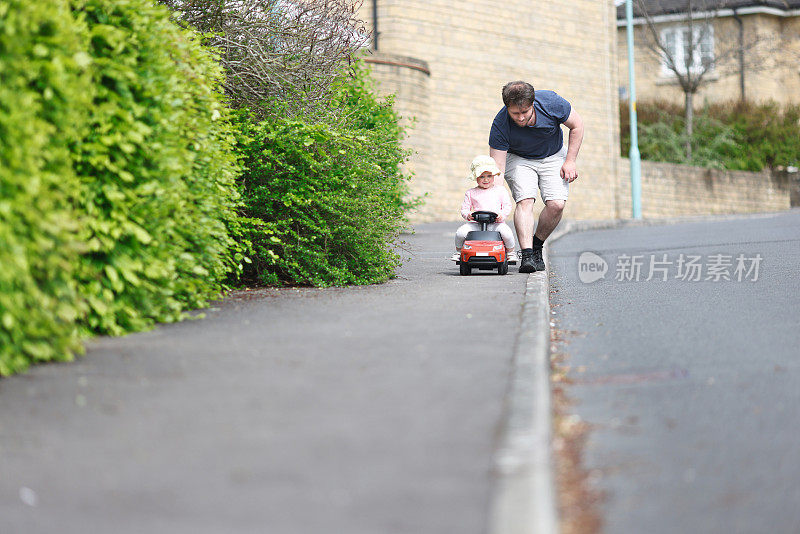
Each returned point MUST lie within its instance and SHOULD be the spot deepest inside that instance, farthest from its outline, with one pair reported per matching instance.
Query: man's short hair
(518, 93)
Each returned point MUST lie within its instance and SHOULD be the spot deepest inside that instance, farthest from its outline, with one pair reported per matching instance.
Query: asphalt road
(361, 410)
(691, 388)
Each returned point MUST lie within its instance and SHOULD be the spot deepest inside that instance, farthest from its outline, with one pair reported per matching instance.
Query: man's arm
(499, 157)
(569, 171)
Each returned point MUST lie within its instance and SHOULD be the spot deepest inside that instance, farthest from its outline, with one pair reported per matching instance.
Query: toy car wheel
(464, 268)
(503, 267)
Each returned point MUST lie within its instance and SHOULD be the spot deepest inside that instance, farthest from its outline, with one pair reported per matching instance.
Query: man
(527, 143)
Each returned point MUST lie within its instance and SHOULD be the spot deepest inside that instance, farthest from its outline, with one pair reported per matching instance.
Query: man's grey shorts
(525, 175)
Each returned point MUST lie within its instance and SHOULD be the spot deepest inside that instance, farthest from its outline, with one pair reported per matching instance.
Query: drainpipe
(738, 20)
(375, 25)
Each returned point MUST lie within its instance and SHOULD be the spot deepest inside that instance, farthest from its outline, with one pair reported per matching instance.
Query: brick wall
(409, 80)
(471, 49)
(671, 190)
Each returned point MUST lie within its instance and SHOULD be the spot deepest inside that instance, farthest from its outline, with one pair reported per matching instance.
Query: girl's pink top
(494, 199)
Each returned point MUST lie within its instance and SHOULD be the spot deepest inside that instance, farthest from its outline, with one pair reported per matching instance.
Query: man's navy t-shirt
(539, 140)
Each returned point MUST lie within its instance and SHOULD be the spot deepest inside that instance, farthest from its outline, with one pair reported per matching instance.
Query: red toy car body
(483, 249)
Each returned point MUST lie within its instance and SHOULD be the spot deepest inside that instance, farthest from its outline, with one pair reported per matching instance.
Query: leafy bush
(728, 135)
(273, 49)
(767, 135)
(324, 203)
(117, 178)
(119, 182)
(157, 170)
(42, 103)
(661, 141)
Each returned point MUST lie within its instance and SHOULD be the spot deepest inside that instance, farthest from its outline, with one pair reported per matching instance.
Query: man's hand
(569, 171)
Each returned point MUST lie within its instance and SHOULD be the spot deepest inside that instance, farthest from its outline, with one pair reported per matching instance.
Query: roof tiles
(666, 7)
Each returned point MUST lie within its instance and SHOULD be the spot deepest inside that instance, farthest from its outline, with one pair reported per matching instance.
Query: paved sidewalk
(367, 410)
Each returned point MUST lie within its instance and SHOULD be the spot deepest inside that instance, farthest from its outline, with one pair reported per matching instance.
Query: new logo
(591, 267)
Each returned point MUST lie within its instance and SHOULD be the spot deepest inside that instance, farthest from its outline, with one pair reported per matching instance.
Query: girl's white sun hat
(481, 164)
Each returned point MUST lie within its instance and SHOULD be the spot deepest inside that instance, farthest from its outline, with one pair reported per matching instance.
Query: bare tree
(289, 50)
(694, 51)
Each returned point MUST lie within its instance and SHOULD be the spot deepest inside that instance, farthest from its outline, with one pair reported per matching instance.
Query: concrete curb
(524, 490)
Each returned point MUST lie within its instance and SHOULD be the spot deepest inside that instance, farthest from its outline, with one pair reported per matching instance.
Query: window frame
(676, 34)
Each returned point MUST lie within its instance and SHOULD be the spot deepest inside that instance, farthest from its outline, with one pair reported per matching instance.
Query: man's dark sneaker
(538, 262)
(526, 264)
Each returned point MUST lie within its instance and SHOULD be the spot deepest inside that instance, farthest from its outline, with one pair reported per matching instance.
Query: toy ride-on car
(483, 249)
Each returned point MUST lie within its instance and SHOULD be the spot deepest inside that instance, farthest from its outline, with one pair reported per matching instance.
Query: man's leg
(555, 191)
(523, 180)
(548, 218)
(523, 222)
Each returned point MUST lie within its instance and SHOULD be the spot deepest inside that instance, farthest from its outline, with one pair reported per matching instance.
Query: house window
(678, 45)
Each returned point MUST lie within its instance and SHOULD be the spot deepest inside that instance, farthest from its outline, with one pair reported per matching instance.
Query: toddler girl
(486, 196)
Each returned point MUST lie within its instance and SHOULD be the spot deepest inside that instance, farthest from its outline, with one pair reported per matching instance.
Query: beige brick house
(753, 48)
(447, 61)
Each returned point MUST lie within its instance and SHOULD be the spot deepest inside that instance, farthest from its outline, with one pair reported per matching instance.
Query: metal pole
(738, 20)
(636, 160)
(375, 25)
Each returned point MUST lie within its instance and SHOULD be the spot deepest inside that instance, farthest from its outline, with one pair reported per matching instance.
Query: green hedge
(157, 168)
(766, 135)
(43, 100)
(117, 179)
(324, 204)
(737, 136)
(122, 198)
